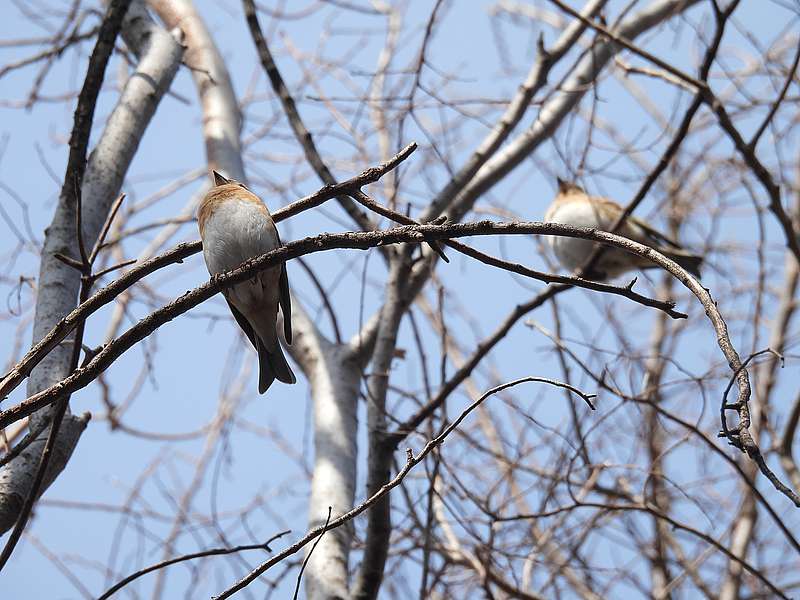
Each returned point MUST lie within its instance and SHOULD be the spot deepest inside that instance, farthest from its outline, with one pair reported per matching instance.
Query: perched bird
(235, 226)
(573, 206)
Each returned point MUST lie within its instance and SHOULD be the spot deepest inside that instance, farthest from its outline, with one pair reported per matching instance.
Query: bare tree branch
(301, 133)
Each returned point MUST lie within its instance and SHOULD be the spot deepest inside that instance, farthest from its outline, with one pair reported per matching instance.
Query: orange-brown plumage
(216, 196)
(573, 206)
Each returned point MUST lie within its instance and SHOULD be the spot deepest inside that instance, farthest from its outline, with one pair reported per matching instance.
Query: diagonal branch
(301, 133)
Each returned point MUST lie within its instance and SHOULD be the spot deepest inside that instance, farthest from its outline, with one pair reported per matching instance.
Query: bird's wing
(286, 304)
(655, 235)
(244, 324)
(634, 225)
(284, 298)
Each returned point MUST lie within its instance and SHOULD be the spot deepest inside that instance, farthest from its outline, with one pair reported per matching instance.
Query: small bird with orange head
(235, 226)
(573, 206)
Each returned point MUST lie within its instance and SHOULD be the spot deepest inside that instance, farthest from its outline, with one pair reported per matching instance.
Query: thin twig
(101, 239)
(310, 552)
(178, 559)
(778, 101)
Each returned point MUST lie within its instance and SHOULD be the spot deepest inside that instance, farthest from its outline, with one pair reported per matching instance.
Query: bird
(573, 206)
(235, 225)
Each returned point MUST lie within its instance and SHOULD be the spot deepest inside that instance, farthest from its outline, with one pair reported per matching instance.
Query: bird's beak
(562, 185)
(219, 179)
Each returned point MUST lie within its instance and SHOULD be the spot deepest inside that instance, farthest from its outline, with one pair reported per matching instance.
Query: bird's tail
(690, 262)
(272, 365)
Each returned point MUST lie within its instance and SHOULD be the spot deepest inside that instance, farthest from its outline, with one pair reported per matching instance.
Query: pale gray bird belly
(573, 253)
(237, 231)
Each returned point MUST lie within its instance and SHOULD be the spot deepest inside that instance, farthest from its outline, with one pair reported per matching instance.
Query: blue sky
(196, 353)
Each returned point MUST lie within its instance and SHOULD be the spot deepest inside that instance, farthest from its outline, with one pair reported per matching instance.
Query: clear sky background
(199, 352)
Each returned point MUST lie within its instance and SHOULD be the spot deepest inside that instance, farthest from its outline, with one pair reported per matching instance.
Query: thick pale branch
(83, 210)
(222, 119)
(32, 471)
(519, 105)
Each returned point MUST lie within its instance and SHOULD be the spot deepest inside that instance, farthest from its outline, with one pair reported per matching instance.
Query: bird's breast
(580, 214)
(573, 252)
(234, 232)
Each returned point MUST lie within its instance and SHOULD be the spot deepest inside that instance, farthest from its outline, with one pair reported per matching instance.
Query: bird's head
(223, 190)
(220, 179)
(567, 187)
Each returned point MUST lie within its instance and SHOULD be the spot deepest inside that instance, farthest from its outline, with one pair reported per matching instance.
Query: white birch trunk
(334, 375)
(59, 284)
